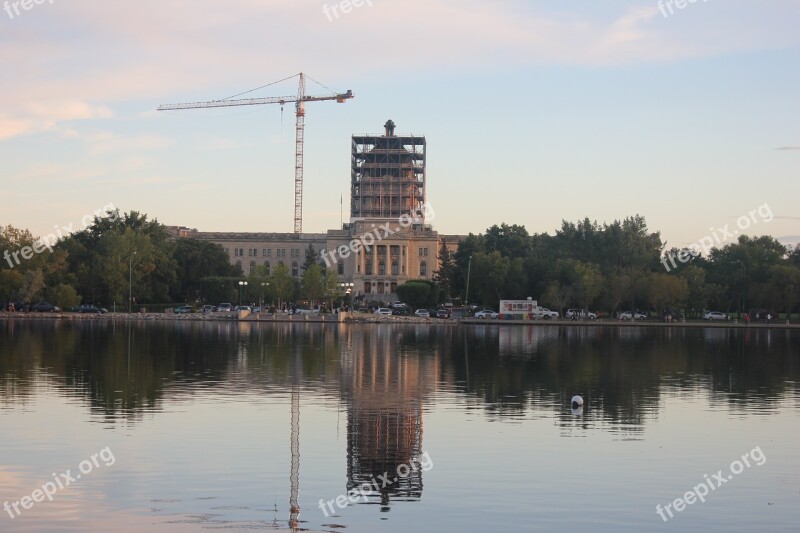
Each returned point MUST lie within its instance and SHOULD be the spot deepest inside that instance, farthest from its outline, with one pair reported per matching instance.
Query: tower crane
(300, 101)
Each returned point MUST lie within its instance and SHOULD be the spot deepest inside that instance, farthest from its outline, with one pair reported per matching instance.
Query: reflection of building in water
(384, 394)
(524, 340)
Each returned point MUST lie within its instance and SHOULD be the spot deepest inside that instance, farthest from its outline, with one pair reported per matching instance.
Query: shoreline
(350, 318)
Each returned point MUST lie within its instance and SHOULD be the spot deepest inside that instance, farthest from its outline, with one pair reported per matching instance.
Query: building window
(394, 250)
(381, 268)
(269, 252)
(368, 269)
(423, 252)
(295, 269)
(395, 268)
(239, 266)
(380, 287)
(281, 252)
(423, 269)
(241, 252)
(394, 287)
(367, 287)
(295, 252)
(340, 268)
(252, 267)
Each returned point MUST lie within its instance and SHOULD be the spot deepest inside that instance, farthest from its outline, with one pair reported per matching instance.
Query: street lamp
(130, 281)
(242, 285)
(347, 288)
(264, 285)
(466, 296)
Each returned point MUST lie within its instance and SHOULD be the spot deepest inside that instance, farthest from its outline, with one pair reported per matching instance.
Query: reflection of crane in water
(294, 476)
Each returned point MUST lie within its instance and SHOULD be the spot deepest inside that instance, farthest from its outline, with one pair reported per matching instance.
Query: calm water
(220, 426)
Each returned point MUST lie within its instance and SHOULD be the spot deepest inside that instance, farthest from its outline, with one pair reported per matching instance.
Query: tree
(64, 296)
(32, 285)
(330, 286)
(415, 293)
(312, 258)
(667, 292)
(557, 296)
(783, 287)
(282, 284)
(445, 275)
(196, 260)
(313, 288)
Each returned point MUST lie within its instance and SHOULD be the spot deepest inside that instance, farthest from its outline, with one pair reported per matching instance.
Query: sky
(684, 112)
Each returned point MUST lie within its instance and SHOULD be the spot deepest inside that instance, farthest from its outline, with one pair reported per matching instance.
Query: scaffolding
(388, 176)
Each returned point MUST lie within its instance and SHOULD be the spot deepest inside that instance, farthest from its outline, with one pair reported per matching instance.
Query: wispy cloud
(788, 148)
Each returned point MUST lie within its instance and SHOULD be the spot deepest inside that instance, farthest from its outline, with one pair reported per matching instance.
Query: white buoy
(577, 401)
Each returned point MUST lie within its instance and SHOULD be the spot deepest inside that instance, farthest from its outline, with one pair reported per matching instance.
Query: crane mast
(300, 101)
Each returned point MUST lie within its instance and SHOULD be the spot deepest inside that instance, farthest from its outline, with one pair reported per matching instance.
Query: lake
(197, 426)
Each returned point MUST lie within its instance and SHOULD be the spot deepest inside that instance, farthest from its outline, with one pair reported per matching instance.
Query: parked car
(547, 314)
(580, 313)
(715, 315)
(383, 311)
(207, 309)
(423, 313)
(44, 307)
(256, 309)
(224, 307)
(183, 309)
(400, 311)
(305, 311)
(442, 313)
(86, 308)
(486, 313)
(243, 308)
(631, 315)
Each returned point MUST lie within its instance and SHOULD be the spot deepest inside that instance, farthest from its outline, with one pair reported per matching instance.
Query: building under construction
(387, 176)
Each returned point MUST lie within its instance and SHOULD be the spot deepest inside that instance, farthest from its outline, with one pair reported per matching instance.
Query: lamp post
(242, 285)
(264, 285)
(130, 281)
(466, 296)
(347, 288)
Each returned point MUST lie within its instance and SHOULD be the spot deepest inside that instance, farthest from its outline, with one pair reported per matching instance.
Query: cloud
(788, 148)
(40, 116)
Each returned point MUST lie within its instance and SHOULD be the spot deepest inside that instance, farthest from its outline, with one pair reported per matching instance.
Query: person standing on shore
(747, 319)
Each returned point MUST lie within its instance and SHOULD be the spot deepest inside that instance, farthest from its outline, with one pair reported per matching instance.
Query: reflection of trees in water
(125, 370)
(620, 371)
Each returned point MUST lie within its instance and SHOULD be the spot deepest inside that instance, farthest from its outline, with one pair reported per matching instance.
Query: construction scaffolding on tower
(388, 176)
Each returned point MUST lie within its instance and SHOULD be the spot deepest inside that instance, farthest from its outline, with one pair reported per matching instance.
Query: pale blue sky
(534, 111)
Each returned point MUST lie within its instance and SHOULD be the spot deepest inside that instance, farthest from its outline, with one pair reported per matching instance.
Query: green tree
(64, 296)
(445, 275)
(415, 293)
(282, 284)
(196, 260)
(313, 288)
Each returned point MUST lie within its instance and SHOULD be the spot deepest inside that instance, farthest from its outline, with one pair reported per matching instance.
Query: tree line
(608, 267)
(620, 266)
